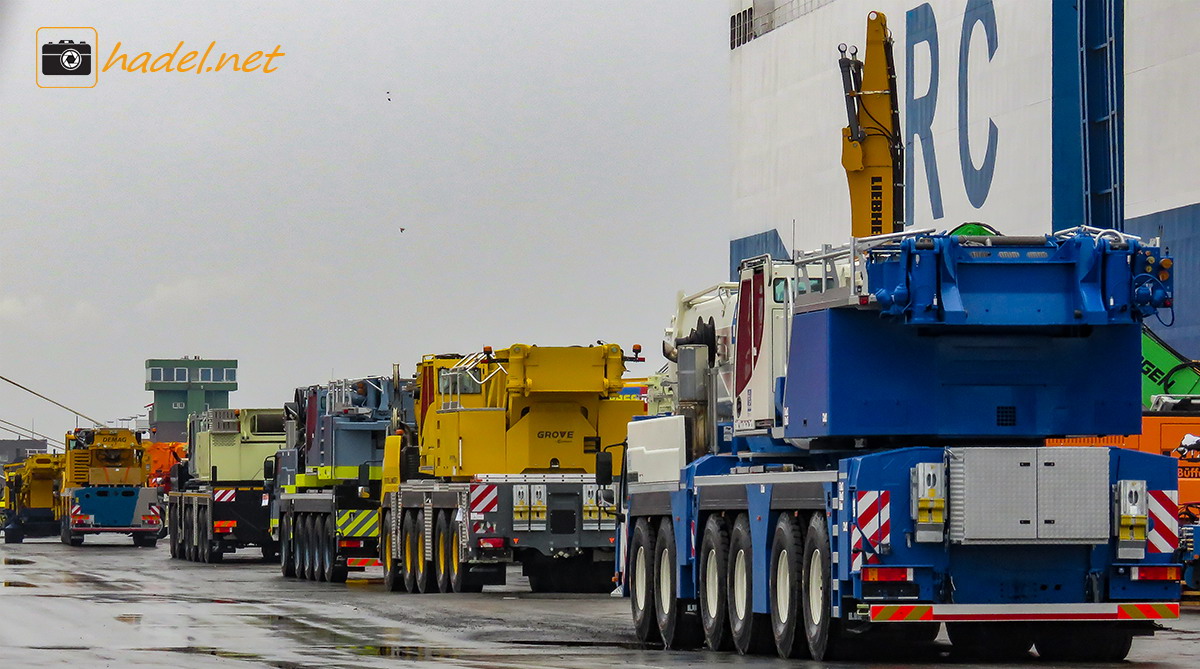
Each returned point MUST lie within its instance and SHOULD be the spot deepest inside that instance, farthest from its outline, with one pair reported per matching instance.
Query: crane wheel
(677, 628)
(640, 582)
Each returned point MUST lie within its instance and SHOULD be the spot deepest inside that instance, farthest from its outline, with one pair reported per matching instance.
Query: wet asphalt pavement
(107, 604)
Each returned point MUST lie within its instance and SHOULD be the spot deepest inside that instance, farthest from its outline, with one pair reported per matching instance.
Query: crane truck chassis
(104, 488)
(788, 502)
(216, 503)
(503, 470)
(30, 505)
(324, 486)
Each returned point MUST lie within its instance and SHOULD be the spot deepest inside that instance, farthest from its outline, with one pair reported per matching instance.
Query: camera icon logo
(66, 57)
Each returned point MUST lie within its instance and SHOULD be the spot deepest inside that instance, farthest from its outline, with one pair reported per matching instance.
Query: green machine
(216, 504)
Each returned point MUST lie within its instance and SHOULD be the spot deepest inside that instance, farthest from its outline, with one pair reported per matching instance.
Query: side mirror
(269, 469)
(604, 468)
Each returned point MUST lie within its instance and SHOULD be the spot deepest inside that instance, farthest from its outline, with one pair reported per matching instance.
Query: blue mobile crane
(855, 450)
(324, 484)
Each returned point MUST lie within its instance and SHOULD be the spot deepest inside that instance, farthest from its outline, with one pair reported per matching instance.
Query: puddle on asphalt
(575, 643)
(17, 561)
(406, 652)
(228, 654)
(16, 584)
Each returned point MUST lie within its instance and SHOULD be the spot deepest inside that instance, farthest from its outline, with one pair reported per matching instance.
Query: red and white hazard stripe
(485, 497)
(76, 510)
(901, 613)
(224, 495)
(1164, 521)
(873, 524)
(363, 562)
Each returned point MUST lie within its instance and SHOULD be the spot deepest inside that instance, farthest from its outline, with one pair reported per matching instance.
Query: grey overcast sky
(561, 169)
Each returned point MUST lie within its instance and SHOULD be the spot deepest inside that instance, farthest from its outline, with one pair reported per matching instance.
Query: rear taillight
(491, 542)
(1155, 573)
(350, 543)
(887, 574)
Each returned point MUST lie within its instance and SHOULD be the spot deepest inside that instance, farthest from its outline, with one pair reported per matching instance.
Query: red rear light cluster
(350, 543)
(887, 574)
(1156, 573)
(491, 542)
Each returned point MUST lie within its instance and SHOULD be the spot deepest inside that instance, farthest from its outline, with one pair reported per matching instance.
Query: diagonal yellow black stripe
(361, 524)
(371, 529)
(345, 520)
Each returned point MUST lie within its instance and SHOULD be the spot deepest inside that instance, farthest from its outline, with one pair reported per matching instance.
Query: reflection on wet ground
(126, 607)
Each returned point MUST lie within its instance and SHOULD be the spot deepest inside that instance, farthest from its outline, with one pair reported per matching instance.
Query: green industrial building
(183, 386)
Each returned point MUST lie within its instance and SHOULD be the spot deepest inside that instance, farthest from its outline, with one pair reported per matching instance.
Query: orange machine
(162, 455)
(1163, 432)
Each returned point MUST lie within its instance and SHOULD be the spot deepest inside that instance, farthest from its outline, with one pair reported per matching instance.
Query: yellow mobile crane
(104, 488)
(30, 488)
(506, 461)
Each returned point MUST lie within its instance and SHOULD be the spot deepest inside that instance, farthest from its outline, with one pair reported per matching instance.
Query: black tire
(185, 534)
(409, 538)
(441, 552)
(209, 547)
(820, 629)
(1083, 642)
(303, 539)
(990, 641)
(677, 628)
(203, 544)
(460, 576)
(393, 568)
(334, 572)
(13, 535)
(173, 531)
(145, 540)
(64, 530)
(714, 585)
(786, 590)
(287, 556)
(321, 548)
(193, 553)
(424, 570)
(270, 552)
(750, 633)
(77, 539)
(640, 580)
(309, 544)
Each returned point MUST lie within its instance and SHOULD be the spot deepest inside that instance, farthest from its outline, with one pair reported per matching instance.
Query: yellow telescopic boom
(871, 149)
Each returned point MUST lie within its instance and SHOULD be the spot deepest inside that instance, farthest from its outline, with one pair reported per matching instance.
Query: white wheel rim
(665, 591)
(783, 587)
(816, 588)
(739, 584)
(639, 577)
(711, 584)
